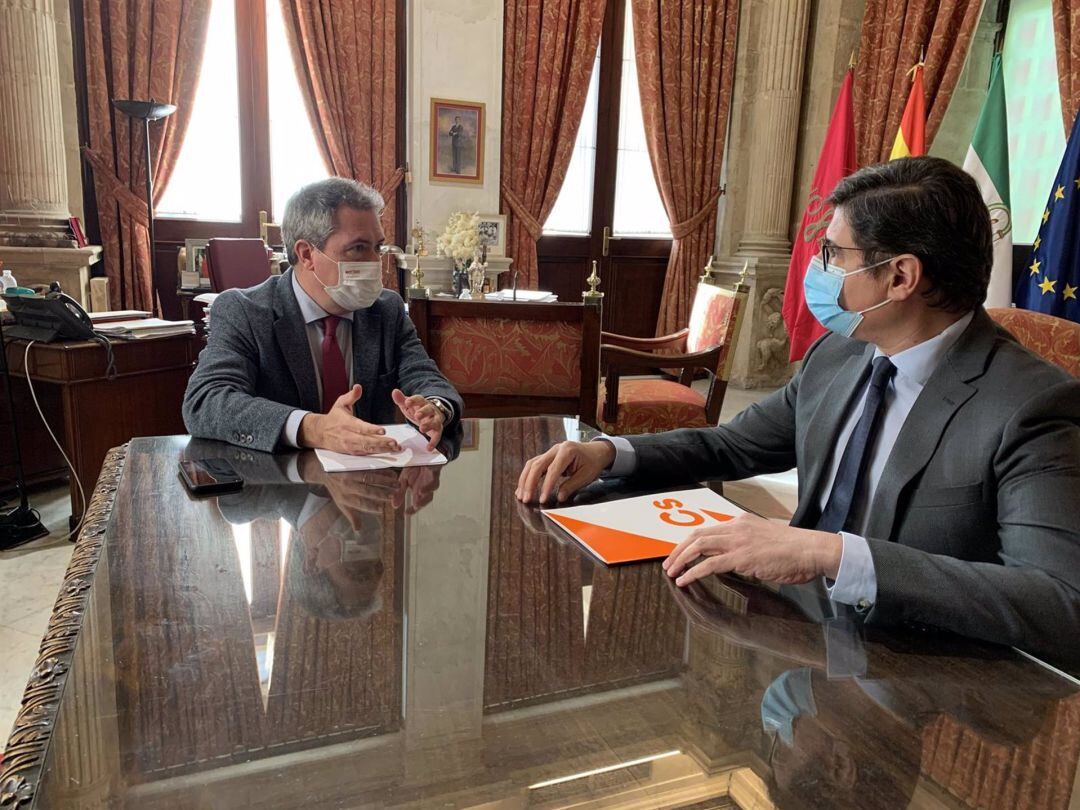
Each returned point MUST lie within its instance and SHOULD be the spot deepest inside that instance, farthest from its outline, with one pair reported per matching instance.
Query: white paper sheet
(414, 453)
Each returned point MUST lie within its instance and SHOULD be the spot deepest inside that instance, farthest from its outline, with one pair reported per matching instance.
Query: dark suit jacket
(257, 368)
(975, 525)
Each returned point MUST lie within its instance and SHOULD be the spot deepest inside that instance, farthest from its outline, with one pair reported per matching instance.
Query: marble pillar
(33, 168)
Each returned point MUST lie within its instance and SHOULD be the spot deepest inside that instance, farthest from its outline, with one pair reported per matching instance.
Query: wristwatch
(446, 411)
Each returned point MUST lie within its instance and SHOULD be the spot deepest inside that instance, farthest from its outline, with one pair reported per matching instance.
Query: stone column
(763, 148)
(33, 171)
(781, 51)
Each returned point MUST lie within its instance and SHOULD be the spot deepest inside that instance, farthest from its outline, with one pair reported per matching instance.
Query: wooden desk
(252, 650)
(89, 413)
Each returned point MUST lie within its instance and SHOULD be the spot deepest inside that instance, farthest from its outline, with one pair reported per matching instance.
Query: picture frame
(492, 230)
(457, 141)
(196, 265)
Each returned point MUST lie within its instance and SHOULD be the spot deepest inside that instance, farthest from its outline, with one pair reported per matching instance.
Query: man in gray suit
(320, 355)
(938, 460)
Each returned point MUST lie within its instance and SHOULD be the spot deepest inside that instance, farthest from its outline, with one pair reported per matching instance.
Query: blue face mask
(786, 699)
(822, 291)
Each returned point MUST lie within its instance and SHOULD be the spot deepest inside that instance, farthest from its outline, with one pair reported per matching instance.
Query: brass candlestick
(592, 294)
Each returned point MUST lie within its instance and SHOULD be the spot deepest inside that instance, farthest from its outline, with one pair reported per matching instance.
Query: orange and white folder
(643, 528)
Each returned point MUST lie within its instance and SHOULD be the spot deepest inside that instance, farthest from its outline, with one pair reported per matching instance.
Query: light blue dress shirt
(856, 581)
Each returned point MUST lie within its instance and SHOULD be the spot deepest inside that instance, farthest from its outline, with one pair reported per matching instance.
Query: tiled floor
(30, 576)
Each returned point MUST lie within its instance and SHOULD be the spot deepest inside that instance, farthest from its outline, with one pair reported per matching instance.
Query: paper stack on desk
(526, 296)
(644, 528)
(145, 328)
(414, 453)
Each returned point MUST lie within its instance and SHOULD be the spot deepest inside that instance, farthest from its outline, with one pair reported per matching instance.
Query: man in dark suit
(938, 460)
(322, 354)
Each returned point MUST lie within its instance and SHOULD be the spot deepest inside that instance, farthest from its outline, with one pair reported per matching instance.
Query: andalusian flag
(988, 162)
(911, 137)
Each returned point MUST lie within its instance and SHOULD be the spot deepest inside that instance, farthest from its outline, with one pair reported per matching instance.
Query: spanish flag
(911, 137)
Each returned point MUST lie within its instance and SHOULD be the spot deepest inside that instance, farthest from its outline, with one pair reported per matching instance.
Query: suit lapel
(291, 336)
(825, 424)
(366, 350)
(944, 393)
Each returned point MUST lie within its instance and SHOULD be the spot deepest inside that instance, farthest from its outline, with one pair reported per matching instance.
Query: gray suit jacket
(975, 525)
(256, 369)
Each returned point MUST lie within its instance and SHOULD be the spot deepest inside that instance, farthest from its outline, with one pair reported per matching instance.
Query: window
(572, 213)
(205, 183)
(226, 160)
(638, 210)
(1036, 135)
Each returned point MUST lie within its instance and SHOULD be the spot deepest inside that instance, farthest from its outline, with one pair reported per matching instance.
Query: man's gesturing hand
(427, 418)
(339, 430)
(564, 469)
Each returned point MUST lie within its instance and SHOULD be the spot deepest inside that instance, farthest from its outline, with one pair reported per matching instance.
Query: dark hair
(928, 207)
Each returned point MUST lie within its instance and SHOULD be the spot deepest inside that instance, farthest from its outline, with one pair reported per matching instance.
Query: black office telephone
(49, 317)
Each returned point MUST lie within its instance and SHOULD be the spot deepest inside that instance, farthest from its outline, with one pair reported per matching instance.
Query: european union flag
(1051, 281)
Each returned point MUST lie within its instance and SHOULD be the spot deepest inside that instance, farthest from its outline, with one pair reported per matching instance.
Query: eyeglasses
(828, 255)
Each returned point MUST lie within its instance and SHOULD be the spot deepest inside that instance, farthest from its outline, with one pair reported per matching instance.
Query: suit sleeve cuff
(290, 432)
(856, 581)
(625, 462)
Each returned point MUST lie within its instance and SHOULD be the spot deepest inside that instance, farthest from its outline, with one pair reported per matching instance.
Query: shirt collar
(920, 361)
(308, 308)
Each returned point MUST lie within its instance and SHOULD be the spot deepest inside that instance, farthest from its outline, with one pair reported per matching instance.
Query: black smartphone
(210, 476)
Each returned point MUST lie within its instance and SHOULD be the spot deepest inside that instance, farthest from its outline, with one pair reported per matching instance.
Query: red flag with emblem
(837, 160)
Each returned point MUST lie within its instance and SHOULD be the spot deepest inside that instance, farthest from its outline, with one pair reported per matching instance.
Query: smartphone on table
(210, 476)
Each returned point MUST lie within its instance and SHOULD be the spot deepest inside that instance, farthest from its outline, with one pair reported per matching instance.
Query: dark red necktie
(335, 379)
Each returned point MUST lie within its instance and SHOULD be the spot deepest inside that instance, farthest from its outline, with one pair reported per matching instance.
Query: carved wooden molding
(24, 755)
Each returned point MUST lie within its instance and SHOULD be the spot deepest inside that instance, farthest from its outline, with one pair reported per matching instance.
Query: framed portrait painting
(457, 142)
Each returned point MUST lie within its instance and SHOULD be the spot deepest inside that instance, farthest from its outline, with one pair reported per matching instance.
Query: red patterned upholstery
(713, 310)
(502, 356)
(651, 406)
(1054, 339)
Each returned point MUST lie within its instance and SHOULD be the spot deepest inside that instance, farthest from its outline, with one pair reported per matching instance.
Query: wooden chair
(1054, 339)
(654, 405)
(515, 359)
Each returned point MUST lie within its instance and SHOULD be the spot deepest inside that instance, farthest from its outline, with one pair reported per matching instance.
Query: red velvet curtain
(137, 49)
(893, 35)
(686, 64)
(346, 60)
(548, 52)
(1067, 39)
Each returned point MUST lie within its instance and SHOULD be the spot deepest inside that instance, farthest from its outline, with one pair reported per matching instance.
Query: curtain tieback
(534, 227)
(680, 230)
(130, 203)
(390, 186)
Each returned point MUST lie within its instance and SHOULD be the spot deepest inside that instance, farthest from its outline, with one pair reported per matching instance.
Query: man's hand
(340, 431)
(564, 469)
(755, 547)
(427, 418)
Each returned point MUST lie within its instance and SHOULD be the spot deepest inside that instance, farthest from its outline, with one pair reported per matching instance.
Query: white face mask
(359, 283)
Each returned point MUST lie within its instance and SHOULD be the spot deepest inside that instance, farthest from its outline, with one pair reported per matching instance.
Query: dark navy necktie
(852, 469)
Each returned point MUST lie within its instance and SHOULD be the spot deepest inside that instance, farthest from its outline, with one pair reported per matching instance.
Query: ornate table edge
(24, 755)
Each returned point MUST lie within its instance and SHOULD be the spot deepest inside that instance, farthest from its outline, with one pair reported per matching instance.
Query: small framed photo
(492, 230)
(198, 260)
(457, 141)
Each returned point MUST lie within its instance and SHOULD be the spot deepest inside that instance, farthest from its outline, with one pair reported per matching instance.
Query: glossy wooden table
(370, 640)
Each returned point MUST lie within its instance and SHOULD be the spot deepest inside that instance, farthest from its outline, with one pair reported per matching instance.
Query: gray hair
(309, 213)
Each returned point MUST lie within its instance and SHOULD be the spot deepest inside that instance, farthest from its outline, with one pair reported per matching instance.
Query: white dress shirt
(856, 581)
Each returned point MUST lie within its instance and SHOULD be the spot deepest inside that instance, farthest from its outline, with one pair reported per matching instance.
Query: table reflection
(420, 638)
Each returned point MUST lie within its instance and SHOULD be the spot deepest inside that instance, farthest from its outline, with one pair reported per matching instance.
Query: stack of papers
(414, 453)
(530, 296)
(145, 328)
(645, 528)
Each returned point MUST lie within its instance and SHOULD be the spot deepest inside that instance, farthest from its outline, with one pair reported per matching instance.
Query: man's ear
(906, 276)
(305, 254)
